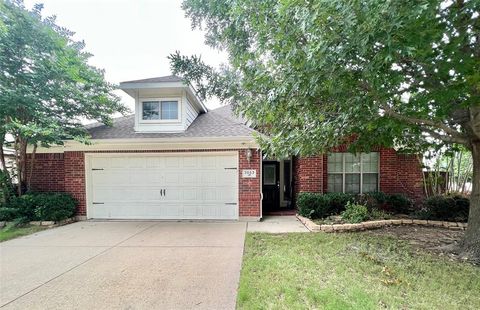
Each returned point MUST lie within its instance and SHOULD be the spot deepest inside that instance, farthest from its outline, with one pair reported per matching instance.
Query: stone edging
(328, 228)
(53, 223)
(45, 223)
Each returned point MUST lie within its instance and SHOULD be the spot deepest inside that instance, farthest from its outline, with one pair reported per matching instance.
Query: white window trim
(343, 173)
(161, 121)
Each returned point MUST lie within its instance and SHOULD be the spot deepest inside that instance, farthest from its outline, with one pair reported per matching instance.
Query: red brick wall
(399, 173)
(307, 173)
(48, 174)
(75, 179)
(69, 172)
(249, 188)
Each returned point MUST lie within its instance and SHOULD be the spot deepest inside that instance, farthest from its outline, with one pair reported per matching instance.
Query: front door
(271, 185)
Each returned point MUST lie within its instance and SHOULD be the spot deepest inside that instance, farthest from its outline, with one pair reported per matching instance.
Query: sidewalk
(277, 224)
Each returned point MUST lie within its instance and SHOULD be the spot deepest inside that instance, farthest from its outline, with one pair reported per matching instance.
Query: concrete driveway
(124, 265)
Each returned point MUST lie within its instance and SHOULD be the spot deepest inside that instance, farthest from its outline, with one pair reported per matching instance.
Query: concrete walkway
(124, 265)
(277, 224)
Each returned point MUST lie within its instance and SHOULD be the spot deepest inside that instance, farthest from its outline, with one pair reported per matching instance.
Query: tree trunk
(471, 241)
(18, 167)
(31, 168)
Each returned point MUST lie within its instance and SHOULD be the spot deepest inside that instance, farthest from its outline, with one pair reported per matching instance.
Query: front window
(349, 173)
(160, 110)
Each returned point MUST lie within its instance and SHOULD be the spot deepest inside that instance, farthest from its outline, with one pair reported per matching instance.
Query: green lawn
(10, 232)
(350, 271)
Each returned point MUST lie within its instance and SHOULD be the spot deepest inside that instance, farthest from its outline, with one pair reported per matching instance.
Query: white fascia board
(193, 93)
(154, 144)
(152, 85)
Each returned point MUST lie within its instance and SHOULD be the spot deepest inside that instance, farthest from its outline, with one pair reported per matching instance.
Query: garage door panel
(196, 187)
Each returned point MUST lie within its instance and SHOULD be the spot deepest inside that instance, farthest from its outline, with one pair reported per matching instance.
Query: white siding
(191, 113)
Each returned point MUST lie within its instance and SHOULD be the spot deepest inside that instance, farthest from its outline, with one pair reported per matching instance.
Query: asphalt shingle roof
(216, 123)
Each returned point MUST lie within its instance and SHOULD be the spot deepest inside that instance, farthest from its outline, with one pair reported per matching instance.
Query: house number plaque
(249, 173)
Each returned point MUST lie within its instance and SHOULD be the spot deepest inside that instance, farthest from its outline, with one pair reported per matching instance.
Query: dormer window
(160, 109)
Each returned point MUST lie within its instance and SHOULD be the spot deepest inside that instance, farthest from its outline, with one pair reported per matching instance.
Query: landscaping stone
(396, 222)
(47, 223)
(3, 224)
(435, 223)
(455, 228)
(312, 226)
(36, 223)
(326, 228)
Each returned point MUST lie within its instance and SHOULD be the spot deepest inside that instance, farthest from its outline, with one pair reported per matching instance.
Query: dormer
(163, 104)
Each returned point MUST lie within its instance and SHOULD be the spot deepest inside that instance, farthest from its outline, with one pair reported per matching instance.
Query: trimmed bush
(54, 206)
(44, 206)
(445, 208)
(8, 214)
(355, 213)
(398, 203)
(312, 205)
(373, 200)
(338, 201)
(25, 205)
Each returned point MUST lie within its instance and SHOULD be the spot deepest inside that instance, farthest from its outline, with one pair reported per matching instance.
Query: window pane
(269, 175)
(370, 162)
(352, 183)
(169, 110)
(334, 162)
(352, 163)
(335, 183)
(370, 182)
(150, 110)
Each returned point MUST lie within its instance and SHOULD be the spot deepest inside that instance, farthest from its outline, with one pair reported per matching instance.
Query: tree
(313, 74)
(47, 86)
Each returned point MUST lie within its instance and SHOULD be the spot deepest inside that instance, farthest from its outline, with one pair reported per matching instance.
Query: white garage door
(165, 186)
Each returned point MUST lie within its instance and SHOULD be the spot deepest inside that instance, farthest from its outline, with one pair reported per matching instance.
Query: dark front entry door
(271, 185)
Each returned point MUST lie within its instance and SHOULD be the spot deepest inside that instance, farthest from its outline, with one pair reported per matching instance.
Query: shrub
(43, 206)
(313, 205)
(8, 214)
(338, 201)
(372, 200)
(445, 208)
(376, 214)
(54, 206)
(355, 213)
(25, 205)
(398, 203)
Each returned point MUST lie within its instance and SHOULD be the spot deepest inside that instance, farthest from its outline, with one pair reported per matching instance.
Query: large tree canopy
(47, 86)
(312, 74)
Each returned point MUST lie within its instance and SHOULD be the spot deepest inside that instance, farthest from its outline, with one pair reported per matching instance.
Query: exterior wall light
(249, 155)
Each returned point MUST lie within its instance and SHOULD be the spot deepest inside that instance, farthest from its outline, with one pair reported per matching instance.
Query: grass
(350, 271)
(10, 231)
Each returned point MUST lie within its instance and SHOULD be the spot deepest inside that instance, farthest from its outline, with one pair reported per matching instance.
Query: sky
(131, 39)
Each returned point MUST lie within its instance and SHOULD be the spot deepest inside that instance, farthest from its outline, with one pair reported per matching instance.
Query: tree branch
(425, 122)
(447, 139)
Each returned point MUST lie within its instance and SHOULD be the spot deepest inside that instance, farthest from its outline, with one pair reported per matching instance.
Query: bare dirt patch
(436, 240)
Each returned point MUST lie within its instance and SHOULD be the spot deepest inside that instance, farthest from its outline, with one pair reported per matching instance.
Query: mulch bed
(436, 240)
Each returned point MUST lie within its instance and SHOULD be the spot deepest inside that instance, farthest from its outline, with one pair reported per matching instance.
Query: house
(176, 159)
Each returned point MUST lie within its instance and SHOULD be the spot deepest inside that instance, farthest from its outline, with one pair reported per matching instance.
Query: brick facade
(249, 188)
(49, 173)
(66, 173)
(399, 173)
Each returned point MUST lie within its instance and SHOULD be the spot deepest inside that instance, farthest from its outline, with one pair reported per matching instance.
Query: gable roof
(216, 123)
